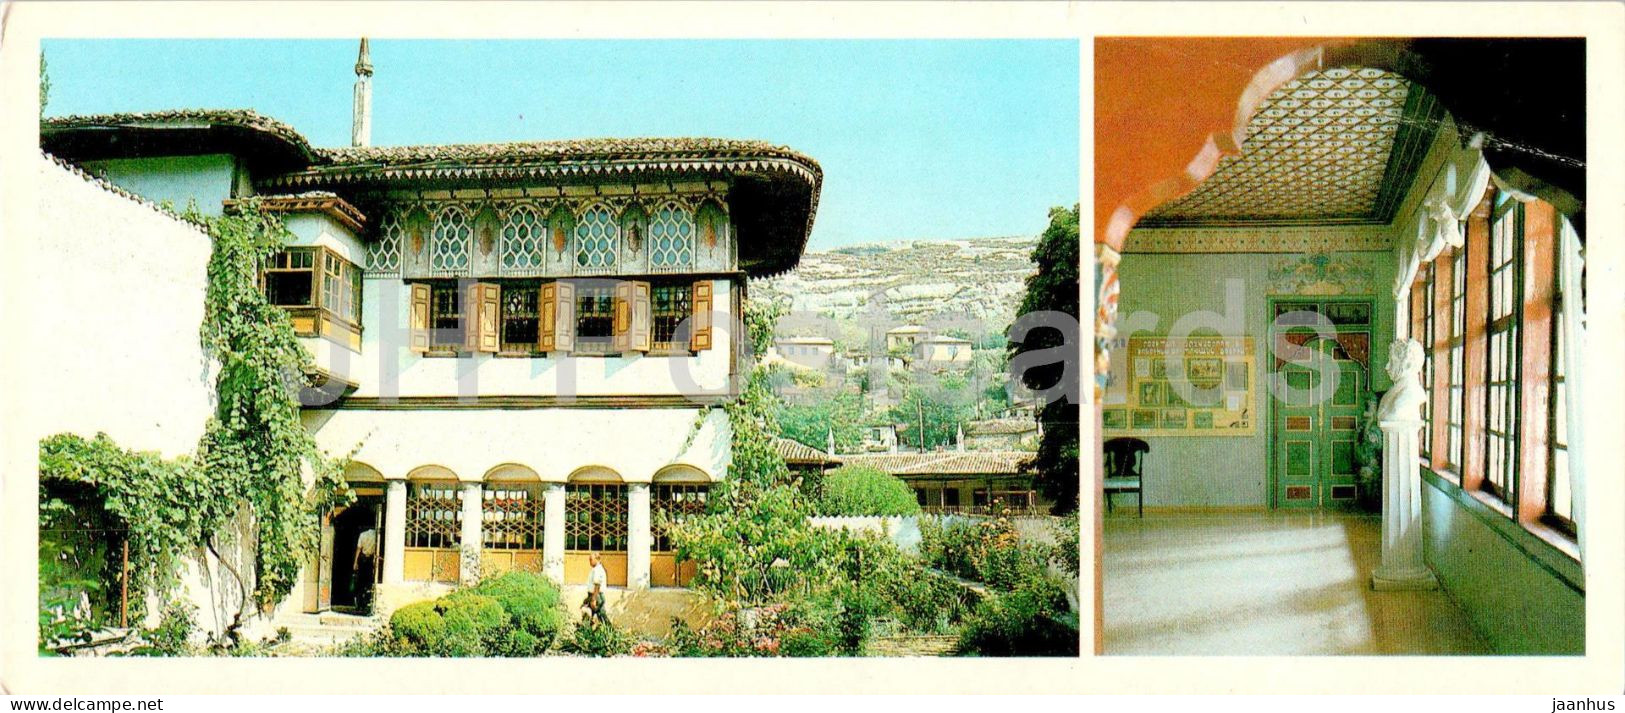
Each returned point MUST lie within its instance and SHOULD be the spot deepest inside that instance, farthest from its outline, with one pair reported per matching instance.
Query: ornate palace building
(519, 342)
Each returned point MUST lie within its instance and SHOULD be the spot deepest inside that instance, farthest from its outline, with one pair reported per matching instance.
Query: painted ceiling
(1334, 146)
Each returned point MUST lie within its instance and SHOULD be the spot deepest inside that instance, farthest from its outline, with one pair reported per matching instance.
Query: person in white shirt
(363, 567)
(598, 579)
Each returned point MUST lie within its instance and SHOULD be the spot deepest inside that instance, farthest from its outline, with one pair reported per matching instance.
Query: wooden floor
(1264, 584)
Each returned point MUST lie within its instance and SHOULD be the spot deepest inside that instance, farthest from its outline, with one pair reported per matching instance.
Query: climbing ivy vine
(254, 455)
(256, 446)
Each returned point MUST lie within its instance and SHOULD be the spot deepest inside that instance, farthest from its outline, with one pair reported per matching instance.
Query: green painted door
(1315, 427)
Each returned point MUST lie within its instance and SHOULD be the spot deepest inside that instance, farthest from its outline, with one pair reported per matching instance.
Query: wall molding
(1320, 239)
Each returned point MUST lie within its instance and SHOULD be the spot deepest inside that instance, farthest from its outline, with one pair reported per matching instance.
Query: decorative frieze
(1320, 239)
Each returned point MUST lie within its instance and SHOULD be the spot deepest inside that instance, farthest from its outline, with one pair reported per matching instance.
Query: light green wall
(1517, 600)
(208, 180)
(1234, 471)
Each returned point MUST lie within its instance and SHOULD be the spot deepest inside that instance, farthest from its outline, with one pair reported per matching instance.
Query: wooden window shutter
(486, 312)
(547, 305)
(418, 320)
(700, 340)
(623, 316)
(564, 328)
(641, 317)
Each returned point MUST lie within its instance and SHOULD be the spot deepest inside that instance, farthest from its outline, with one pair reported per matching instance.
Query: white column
(638, 538)
(395, 532)
(553, 532)
(1399, 416)
(473, 533)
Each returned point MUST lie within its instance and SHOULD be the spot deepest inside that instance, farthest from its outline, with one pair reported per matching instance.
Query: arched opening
(1390, 190)
(348, 561)
(679, 491)
(596, 508)
(434, 526)
(512, 520)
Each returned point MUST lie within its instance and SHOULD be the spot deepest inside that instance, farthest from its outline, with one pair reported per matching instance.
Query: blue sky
(918, 138)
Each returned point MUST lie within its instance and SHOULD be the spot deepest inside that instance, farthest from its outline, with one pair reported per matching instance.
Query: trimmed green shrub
(472, 622)
(419, 629)
(532, 603)
(862, 490)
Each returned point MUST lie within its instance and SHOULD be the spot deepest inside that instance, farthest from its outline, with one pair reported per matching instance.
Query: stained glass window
(524, 236)
(671, 237)
(520, 322)
(512, 516)
(598, 238)
(384, 252)
(453, 236)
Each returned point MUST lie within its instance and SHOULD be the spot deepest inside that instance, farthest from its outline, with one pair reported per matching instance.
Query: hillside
(971, 285)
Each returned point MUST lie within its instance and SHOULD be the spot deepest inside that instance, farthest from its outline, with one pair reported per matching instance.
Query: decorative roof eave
(313, 202)
(762, 257)
(233, 126)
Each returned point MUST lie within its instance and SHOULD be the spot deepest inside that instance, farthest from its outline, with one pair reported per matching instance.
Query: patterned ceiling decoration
(1338, 145)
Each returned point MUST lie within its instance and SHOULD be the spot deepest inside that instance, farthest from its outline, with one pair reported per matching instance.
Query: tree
(1054, 288)
(811, 420)
(939, 405)
(44, 85)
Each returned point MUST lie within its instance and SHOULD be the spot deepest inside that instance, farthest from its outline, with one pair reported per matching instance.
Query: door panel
(1315, 426)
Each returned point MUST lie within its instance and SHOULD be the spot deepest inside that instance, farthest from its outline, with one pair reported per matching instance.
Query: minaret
(959, 438)
(830, 440)
(361, 123)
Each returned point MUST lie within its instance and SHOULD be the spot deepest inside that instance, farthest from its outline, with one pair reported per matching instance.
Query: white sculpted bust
(1404, 401)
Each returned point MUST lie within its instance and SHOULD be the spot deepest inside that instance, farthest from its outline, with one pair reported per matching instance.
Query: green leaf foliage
(865, 490)
(1054, 288)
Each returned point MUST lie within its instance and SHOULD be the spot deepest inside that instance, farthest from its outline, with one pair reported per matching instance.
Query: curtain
(1574, 371)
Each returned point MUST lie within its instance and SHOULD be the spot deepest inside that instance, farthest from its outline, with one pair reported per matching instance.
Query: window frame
(1557, 446)
(348, 275)
(1455, 452)
(439, 346)
(512, 348)
(1503, 352)
(683, 312)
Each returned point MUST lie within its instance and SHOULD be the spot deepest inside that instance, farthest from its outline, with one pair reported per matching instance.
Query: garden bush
(595, 638)
(1031, 620)
(988, 551)
(533, 606)
(418, 629)
(862, 490)
(475, 623)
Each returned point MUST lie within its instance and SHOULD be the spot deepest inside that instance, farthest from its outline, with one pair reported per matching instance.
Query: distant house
(1001, 434)
(903, 339)
(810, 352)
(880, 438)
(943, 352)
(962, 482)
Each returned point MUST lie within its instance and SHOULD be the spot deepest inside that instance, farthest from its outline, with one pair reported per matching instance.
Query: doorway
(354, 577)
(1318, 416)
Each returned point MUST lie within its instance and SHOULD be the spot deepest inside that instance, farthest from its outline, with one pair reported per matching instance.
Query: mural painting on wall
(1323, 274)
(1192, 386)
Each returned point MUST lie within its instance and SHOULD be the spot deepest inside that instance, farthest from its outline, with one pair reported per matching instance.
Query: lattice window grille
(671, 237)
(511, 517)
(524, 241)
(595, 517)
(598, 239)
(677, 502)
(453, 238)
(384, 252)
(434, 516)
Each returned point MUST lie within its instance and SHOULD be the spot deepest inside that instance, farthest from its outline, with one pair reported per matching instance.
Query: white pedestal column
(394, 532)
(638, 537)
(1399, 416)
(472, 535)
(553, 532)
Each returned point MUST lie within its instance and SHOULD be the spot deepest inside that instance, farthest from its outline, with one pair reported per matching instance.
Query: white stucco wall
(125, 284)
(635, 443)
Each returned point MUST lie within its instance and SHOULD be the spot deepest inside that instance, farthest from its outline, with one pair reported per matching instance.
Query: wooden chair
(1124, 461)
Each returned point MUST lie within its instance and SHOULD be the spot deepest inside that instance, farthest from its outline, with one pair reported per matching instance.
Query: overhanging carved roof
(1334, 146)
(178, 132)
